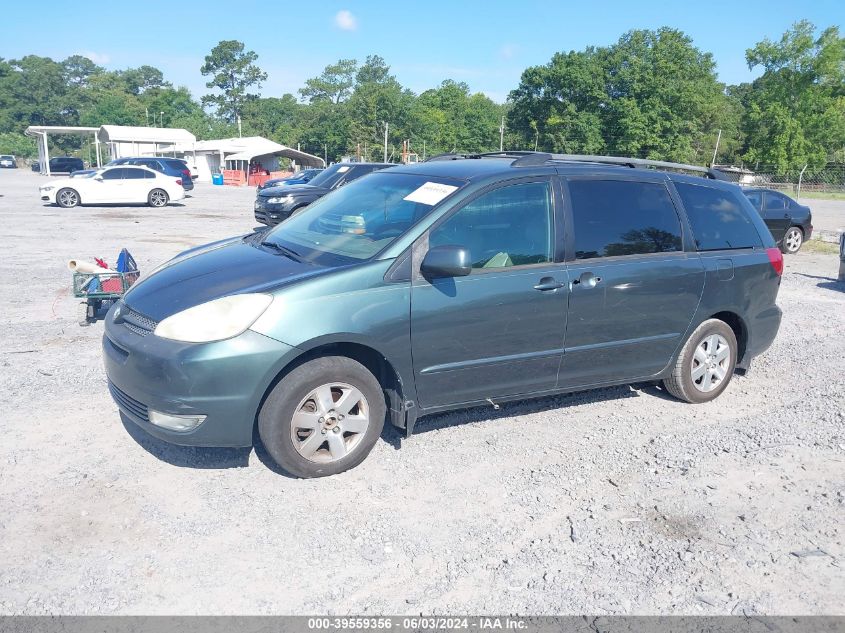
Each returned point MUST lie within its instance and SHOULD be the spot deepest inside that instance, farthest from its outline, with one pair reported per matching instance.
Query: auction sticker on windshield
(430, 193)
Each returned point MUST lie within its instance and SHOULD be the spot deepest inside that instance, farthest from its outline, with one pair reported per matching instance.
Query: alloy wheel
(68, 198)
(158, 198)
(793, 239)
(330, 422)
(710, 363)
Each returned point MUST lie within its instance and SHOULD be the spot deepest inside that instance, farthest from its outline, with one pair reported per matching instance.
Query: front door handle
(548, 283)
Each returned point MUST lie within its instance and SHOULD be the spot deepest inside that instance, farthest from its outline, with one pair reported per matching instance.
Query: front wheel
(67, 198)
(323, 418)
(706, 363)
(158, 198)
(792, 240)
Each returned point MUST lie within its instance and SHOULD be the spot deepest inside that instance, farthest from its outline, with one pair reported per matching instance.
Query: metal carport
(40, 132)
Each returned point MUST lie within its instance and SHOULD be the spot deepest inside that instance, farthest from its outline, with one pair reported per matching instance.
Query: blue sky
(485, 44)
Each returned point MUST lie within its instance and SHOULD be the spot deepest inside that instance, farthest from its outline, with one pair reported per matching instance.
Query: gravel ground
(632, 503)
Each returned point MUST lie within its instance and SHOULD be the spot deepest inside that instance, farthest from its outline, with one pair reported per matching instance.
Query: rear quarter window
(718, 218)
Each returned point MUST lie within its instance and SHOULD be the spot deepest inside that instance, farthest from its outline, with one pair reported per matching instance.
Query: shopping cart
(105, 287)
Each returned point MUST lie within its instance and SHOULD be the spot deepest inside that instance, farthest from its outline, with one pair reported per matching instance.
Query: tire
(691, 384)
(67, 198)
(158, 198)
(792, 240)
(297, 421)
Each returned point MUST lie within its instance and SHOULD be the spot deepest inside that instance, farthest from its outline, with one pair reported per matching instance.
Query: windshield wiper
(288, 252)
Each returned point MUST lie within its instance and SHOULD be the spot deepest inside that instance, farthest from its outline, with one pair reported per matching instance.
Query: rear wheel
(67, 198)
(792, 240)
(158, 198)
(323, 418)
(706, 363)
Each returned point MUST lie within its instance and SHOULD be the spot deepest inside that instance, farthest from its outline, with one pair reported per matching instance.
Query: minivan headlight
(215, 320)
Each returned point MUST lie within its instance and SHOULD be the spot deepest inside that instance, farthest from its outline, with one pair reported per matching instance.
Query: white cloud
(97, 58)
(508, 51)
(345, 21)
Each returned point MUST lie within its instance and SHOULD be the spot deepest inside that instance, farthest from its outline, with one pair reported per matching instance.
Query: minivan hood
(284, 190)
(227, 268)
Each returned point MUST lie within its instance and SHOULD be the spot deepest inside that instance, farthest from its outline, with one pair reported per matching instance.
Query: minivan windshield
(359, 220)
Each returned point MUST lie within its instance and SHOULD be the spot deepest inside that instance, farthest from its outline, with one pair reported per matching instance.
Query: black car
(276, 204)
(175, 167)
(65, 164)
(790, 222)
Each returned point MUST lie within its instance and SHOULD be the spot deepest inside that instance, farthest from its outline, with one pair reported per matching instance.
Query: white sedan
(114, 185)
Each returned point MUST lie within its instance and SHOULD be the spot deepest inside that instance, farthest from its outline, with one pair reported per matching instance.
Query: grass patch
(821, 195)
(817, 246)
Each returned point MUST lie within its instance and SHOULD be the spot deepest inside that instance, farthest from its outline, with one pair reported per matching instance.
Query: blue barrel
(216, 179)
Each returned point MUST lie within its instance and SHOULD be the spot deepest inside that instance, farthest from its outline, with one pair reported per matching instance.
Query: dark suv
(175, 167)
(458, 282)
(274, 204)
(65, 164)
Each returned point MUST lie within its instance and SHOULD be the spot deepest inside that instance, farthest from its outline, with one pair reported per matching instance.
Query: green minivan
(462, 281)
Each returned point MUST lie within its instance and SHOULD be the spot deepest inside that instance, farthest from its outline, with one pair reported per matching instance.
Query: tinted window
(134, 174)
(152, 164)
(149, 174)
(776, 202)
(176, 164)
(506, 227)
(718, 218)
(755, 198)
(113, 174)
(614, 217)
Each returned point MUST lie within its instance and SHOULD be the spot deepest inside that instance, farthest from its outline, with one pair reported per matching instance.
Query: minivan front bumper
(224, 381)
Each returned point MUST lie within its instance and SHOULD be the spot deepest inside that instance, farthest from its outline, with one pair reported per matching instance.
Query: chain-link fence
(827, 181)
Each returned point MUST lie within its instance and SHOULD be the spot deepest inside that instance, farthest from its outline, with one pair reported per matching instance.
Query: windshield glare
(361, 219)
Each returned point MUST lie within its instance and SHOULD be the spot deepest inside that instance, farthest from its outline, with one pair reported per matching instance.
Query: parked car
(82, 173)
(7, 161)
(114, 185)
(790, 222)
(443, 285)
(299, 178)
(274, 204)
(174, 167)
(65, 164)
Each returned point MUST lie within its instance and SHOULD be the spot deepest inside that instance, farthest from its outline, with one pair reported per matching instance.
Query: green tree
(234, 72)
(651, 94)
(795, 112)
(333, 85)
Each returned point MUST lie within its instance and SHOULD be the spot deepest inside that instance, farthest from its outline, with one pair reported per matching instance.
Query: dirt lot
(612, 501)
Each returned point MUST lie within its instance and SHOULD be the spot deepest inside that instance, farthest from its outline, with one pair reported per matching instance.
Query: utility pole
(502, 135)
(161, 119)
(239, 127)
(423, 150)
(325, 154)
(147, 112)
(715, 151)
(385, 141)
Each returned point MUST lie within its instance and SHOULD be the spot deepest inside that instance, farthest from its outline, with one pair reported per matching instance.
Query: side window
(113, 174)
(718, 218)
(510, 226)
(755, 198)
(775, 202)
(133, 174)
(618, 217)
(149, 175)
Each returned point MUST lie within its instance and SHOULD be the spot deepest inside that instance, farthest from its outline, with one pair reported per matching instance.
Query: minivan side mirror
(446, 261)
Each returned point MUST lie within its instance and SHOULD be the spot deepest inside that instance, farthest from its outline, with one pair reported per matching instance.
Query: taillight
(186, 173)
(776, 260)
(178, 181)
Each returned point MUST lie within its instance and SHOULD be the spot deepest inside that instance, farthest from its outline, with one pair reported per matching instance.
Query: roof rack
(459, 156)
(534, 159)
